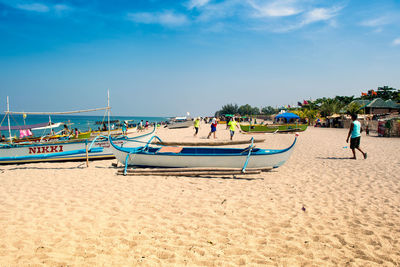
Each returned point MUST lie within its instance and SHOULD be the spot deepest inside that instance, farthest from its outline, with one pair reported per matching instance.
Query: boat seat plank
(170, 149)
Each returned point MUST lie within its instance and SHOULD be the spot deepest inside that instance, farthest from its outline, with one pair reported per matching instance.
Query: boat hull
(178, 125)
(274, 128)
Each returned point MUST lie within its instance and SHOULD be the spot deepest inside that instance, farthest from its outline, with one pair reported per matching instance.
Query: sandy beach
(64, 214)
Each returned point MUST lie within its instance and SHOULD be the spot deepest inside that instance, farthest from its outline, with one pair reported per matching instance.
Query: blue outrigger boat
(197, 157)
(62, 150)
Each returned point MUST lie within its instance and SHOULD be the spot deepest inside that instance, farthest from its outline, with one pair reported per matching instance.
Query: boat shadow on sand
(200, 176)
(240, 178)
(80, 166)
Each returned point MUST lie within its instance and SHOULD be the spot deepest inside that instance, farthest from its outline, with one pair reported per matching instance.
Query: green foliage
(330, 106)
(345, 100)
(248, 110)
(269, 110)
(386, 92)
(310, 114)
(324, 106)
(300, 113)
(353, 108)
(234, 109)
(227, 109)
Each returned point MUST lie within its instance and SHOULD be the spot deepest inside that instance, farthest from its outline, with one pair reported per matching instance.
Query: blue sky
(169, 57)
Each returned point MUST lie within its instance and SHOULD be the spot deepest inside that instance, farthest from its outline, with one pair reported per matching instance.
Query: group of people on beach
(141, 126)
(67, 131)
(354, 134)
(232, 124)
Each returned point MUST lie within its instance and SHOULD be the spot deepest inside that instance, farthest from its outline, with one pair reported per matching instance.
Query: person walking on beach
(232, 127)
(367, 126)
(355, 134)
(124, 126)
(196, 126)
(213, 128)
(140, 126)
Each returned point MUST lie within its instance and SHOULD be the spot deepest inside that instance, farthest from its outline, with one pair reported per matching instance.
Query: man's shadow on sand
(333, 158)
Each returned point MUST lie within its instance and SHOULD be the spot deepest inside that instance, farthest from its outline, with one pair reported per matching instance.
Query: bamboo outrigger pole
(8, 117)
(57, 113)
(108, 110)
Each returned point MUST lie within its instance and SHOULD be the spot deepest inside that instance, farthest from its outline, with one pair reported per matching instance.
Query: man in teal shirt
(355, 133)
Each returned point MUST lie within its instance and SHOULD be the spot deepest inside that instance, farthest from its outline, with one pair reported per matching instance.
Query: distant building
(378, 106)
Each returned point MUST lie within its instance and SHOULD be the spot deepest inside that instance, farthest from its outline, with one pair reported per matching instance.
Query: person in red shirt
(213, 128)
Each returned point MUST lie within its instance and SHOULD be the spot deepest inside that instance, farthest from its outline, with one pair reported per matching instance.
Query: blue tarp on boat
(287, 116)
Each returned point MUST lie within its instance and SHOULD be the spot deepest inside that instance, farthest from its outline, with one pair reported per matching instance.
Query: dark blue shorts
(355, 142)
(213, 128)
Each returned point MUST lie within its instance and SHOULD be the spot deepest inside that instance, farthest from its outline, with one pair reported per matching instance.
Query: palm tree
(329, 107)
(353, 108)
(310, 114)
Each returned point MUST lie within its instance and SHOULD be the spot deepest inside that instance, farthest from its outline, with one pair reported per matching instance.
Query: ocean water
(83, 123)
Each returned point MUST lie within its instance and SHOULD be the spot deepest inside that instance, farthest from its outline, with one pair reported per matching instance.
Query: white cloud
(221, 10)
(37, 7)
(61, 7)
(313, 16)
(377, 22)
(275, 9)
(196, 3)
(166, 18)
(320, 14)
(396, 41)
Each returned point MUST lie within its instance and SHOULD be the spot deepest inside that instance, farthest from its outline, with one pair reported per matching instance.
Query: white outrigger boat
(63, 150)
(195, 157)
(66, 150)
(180, 122)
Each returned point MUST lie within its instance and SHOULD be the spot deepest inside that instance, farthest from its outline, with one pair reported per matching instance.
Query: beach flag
(299, 104)
(373, 92)
(305, 102)
(363, 94)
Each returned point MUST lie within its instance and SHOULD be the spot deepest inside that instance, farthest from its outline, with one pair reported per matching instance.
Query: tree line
(321, 107)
